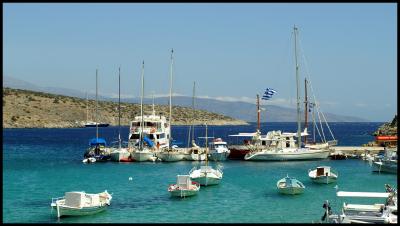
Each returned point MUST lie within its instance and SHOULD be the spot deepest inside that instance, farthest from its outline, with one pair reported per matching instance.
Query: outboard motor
(328, 211)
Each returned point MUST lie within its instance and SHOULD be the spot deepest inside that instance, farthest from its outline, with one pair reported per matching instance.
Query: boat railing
(193, 169)
(54, 200)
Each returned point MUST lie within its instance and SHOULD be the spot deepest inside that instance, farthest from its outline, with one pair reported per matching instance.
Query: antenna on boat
(170, 99)
(206, 145)
(87, 108)
(297, 88)
(97, 121)
(141, 110)
(119, 107)
(154, 111)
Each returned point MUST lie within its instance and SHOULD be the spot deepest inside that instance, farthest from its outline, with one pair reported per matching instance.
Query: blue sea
(39, 164)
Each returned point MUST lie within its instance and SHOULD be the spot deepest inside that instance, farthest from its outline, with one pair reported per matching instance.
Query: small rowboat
(81, 203)
(184, 187)
(290, 186)
(323, 175)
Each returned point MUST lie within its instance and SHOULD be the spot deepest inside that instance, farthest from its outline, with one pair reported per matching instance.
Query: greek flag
(268, 94)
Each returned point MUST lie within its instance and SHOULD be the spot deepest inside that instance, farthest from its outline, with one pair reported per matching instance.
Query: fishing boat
(206, 175)
(184, 187)
(170, 153)
(386, 164)
(120, 154)
(290, 186)
(283, 146)
(323, 175)
(379, 213)
(80, 203)
(218, 150)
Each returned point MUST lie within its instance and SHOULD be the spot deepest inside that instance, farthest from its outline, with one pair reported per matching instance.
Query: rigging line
(308, 75)
(322, 128)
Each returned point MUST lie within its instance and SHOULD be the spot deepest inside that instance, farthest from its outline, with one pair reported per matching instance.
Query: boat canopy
(96, 141)
(362, 194)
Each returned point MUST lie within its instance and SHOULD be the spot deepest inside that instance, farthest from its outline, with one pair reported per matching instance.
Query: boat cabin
(323, 171)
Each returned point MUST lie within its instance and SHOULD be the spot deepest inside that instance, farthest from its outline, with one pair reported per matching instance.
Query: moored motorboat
(337, 155)
(184, 187)
(290, 186)
(80, 203)
(323, 175)
(386, 164)
(89, 160)
(170, 155)
(218, 150)
(364, 213)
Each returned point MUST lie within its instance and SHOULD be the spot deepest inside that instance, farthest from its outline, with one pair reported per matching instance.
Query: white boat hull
(384, 167)
(141, 156)
(324, 179)
(116, 156)
(291, 190)
(170, 156)
(206, 180)
(286, 156)
(198, 157)
(68, 211)
(222, 156)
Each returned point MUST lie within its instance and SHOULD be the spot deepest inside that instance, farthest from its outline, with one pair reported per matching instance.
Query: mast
(305, 108)
(206, 146)
(141, 111)
(297, 89)
(87, 108)
(119, 107)
(97, 121)
(170, 99)
(154, 111)
(258, 113)
(194, 89)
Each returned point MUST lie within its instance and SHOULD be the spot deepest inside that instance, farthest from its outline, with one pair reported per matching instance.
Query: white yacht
(148, 133)
(218, 150)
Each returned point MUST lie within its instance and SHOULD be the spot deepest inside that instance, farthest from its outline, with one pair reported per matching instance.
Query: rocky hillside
(29, 109)
(389, 128)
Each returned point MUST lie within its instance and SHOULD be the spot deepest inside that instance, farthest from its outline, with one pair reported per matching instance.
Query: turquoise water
(39, 164)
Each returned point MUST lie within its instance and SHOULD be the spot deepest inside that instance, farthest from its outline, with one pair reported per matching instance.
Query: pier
(357, 149)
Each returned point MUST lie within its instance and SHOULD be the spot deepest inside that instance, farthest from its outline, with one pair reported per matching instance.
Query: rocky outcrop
(389, 128)
(29, 109)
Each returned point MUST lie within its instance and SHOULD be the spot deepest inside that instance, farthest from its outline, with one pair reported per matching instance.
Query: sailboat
(206, 175)
(194, 152)
(284, 147)
(144, 151)
(97, 146)
(170, 153)
(120, 154)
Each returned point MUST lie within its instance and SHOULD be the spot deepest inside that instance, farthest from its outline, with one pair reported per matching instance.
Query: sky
(232, 51)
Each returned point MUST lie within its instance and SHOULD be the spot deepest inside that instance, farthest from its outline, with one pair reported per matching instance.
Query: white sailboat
(206, 175)
(170, 153)
(283, 145)
(145, 149)
(119, 153)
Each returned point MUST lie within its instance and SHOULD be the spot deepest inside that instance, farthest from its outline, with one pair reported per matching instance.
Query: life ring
(153, 130)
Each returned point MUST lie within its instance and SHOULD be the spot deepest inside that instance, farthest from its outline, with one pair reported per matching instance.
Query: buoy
(130, 178)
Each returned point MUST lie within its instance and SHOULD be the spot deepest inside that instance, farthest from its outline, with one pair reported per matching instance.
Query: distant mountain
(239, 110)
